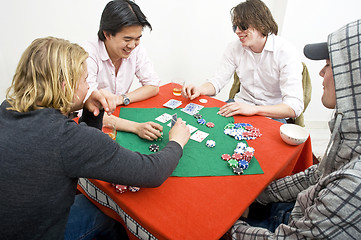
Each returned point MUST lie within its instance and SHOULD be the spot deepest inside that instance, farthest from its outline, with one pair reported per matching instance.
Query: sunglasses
(241, 27)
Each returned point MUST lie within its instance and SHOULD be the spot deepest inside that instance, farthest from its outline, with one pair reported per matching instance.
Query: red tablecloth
(199, 207)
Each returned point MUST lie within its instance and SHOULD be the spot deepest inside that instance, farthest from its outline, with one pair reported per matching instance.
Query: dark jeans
(269, 216)
(87, 222)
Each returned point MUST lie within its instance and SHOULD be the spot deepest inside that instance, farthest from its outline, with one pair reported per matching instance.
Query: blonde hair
(47, 76)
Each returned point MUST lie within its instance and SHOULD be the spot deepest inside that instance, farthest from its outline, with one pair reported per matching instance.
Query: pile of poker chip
(240, 159)
(122, 188)
(202, 121)
(242, 131)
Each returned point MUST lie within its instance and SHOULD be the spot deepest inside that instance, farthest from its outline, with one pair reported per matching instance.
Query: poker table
(201, 207)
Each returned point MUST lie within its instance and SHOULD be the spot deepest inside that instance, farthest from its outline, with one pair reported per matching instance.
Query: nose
(132, 44)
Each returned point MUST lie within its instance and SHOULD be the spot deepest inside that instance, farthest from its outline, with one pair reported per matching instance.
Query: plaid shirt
(328, 195)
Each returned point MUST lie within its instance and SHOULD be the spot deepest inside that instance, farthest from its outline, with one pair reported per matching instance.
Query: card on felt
(191, 128)
(199, 136)
(192, 108)
(172, 103)
(165, 117)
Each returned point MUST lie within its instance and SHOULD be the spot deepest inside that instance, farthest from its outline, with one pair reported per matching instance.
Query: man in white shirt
(269, 68)
(116, 57)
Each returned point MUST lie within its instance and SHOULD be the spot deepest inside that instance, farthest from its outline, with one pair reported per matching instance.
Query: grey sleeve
(89, 153)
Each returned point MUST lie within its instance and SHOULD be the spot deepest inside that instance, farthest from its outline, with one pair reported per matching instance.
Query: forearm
(122, 124)
(143, 93)
(275, 111)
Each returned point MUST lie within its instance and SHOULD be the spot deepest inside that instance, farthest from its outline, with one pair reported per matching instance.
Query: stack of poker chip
(242, 131)
(154, 148)
(240, 159)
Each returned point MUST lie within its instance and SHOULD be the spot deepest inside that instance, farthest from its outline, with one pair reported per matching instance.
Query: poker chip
(226, 157)
(161, 137)
(154, 148)
(229, 125)
(239, 150)
(238, 170)
(210, 143)
(243, 164)
(202, 100)
(247, 156)
(242, 146)
(201, 121)
(237, 156)
(197, 115)
(120, 188)
(233, 163)
(133, 189)
(210, 124)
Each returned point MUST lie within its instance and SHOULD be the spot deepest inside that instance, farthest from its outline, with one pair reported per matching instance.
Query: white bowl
(293, 134)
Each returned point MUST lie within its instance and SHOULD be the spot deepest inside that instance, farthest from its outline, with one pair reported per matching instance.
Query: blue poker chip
(243, 164)
(201, 121)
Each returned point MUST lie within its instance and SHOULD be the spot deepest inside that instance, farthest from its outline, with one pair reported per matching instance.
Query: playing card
(165, 117)
(191, 128)
(174, 120)
(192, 108)
(172, 103)
(199, 136)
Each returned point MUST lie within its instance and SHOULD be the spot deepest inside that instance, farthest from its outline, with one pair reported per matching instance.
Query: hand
(149, 130)
(180, 133)
(190, 92)
(234, 108)
(102, 99)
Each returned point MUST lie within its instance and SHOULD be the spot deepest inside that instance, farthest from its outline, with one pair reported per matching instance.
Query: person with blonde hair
(43, 152)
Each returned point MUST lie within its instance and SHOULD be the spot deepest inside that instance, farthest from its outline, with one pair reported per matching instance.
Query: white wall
(188, 36)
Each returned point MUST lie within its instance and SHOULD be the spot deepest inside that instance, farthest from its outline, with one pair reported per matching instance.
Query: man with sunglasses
(268, 67)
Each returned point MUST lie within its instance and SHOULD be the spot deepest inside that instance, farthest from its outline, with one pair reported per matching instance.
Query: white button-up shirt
(101, 71)
(276, 78)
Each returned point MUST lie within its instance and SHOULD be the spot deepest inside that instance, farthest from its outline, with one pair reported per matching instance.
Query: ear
(106, 35)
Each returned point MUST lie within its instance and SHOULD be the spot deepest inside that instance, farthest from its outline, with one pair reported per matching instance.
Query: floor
(320, 135)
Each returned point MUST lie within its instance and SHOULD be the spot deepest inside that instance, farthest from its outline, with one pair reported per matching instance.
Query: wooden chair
(307, 90)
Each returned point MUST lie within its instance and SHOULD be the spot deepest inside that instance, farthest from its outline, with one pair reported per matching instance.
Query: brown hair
(256, 14)
(47, 76)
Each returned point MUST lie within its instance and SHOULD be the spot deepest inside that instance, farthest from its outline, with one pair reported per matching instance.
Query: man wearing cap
(323, 202)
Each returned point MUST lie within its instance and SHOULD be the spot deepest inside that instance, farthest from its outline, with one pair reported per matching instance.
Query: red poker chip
(226, 157)
(210, 124)
(120, 188)
(237, 156)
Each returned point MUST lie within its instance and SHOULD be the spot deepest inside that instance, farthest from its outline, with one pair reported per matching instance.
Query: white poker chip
(210, 143)
(202, 100)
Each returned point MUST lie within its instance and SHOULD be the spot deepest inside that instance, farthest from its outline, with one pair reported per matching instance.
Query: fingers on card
(172, 103)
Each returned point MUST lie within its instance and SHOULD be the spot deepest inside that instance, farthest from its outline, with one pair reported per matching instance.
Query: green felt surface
(197, 159)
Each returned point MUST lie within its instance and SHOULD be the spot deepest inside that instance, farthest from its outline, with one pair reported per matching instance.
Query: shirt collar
(103, 51)
(269, 46)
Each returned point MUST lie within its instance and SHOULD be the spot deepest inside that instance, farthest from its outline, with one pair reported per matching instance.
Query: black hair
(118, 14)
